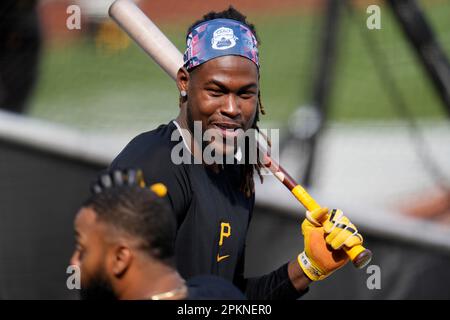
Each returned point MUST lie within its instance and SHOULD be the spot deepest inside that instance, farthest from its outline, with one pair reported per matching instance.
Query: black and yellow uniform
(209, 287)
(213, 215)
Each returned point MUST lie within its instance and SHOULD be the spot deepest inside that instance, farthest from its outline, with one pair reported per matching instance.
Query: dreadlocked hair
(247, 170)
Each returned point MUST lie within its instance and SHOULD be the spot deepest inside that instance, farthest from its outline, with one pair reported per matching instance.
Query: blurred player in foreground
(125, 236)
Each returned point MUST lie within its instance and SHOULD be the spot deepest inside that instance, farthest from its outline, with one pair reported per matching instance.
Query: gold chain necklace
(170, 294)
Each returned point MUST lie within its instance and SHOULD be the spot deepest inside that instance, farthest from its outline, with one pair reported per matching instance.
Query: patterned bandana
(219, 37)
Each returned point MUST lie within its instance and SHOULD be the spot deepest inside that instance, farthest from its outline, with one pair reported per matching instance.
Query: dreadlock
(247, 170)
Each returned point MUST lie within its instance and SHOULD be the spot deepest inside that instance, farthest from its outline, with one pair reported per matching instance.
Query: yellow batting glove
(323, 242)
(340, 231)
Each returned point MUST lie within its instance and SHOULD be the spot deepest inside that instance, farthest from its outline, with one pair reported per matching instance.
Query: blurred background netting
(97, 79)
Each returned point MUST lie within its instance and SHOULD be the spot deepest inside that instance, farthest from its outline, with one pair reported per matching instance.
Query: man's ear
(122, 258)
(183, 79)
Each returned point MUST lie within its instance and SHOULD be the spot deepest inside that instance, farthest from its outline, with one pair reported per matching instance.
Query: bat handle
(359, 255)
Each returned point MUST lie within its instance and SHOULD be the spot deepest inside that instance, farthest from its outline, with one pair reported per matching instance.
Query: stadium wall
(45, 172)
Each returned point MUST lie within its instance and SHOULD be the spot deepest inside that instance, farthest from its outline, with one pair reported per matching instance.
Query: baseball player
(125, 235)
(213, 202)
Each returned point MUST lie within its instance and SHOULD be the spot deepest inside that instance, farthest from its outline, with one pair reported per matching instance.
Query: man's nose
(75, 260)
(231, 107)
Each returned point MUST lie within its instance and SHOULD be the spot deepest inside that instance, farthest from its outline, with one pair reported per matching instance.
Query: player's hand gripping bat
(148, 36)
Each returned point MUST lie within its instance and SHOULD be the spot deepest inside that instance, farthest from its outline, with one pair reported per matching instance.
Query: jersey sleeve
(150, 152)
(208, 287)
(275, 285)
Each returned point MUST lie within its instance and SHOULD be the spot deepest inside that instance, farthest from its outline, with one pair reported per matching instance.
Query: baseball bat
(150, 38)
(147, 35)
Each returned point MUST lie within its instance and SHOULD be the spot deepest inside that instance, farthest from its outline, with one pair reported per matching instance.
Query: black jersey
(212, 288)
(212, 213)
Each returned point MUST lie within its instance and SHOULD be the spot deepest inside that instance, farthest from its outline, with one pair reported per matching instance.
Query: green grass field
(88, 88)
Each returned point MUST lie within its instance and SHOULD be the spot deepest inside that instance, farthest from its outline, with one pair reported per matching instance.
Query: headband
(219, 37)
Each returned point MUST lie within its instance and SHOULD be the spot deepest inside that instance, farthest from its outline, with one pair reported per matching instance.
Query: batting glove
(323, 242)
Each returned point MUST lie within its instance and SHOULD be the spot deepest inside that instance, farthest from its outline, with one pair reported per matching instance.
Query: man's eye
(215, 93)
(247, 95)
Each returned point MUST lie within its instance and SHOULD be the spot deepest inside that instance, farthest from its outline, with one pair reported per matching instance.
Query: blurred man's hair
(230, 13)
(141, 214)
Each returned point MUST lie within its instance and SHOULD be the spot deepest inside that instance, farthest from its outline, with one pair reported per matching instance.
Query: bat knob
(362, 259)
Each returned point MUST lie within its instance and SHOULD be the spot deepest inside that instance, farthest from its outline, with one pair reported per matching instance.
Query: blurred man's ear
(182, 79)
(121, 260)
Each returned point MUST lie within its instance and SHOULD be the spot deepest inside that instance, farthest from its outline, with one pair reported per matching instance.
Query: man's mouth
(227, 129)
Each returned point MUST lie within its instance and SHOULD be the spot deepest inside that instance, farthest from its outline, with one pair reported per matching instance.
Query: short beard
(190, 119)
(202, 143)
(98, 288)
(190, 123)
